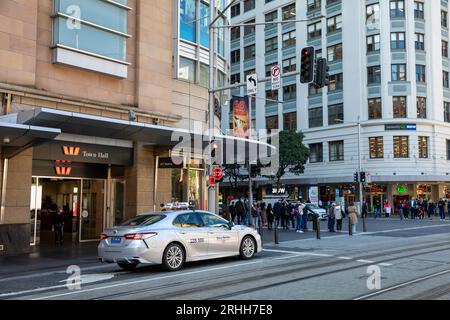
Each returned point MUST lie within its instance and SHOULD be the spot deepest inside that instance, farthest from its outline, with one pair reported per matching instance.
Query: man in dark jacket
(58, 226)
(240, 210)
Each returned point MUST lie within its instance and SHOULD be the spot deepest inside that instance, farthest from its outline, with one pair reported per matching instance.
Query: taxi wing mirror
(230, 225)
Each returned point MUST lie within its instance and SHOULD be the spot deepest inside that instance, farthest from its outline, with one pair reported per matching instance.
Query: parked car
(313, 209)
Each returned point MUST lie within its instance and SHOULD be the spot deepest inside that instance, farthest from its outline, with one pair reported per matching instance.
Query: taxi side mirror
(230, 225)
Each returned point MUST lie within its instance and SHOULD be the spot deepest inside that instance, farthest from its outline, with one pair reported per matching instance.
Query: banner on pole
(241, 117)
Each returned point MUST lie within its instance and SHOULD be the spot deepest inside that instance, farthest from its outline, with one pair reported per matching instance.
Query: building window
(445, 48)
(249, 72)
(236, 56)
(188, 10)
(235, 33)
(334, 24)
(235, 10)
(272, 122)
(288, 12)
(420, 41)
(235, 78)
(445, 79)
(374, 74)
(186, 69)
(447, 111)
(314, 30)
(334, 53)
(401, 147)
(314, 4)
(289, 39)
(373, 43)
(421, 107)
(448, 149)
(398, 72)
(399, 107)
(335, 113)
(419, 10)
(372, 13)
(110, 37)
(313, 89)
(290, 92)
(204, 75)
(376, 147)
(423, 147)
(444, 18)
(289, 65)
(336, 149)
(271, 16)
(249, 29)
(316, 153)
(397, 40)
(375, 108)
(315, 117)
(249, 5)
(397, 9)
(271, 45)
(249, 52)
(290, 121)
(336, 82)
(420, 73)
(271, 97)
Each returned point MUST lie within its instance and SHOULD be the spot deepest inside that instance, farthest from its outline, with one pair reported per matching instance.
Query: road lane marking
(402, 285)
(385, 264)
(365, 261)
(299, 253)
(147, 280)
(345, 258)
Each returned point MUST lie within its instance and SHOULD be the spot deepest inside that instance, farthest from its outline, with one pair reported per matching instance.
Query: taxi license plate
(116, 240)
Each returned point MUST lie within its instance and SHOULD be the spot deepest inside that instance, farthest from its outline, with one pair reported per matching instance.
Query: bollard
(350, 232)
(261, 231)
(276, 232)
(364, 223)
(317, 228)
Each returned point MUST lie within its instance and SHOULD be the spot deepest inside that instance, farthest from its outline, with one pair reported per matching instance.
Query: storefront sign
(408, 127)
(314, 195)
(402, 189)
(83, 153)
(170, 163)
(279, 190)
(68, 169)
(241, 117)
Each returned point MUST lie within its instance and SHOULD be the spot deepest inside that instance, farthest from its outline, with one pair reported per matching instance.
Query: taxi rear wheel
(173, 257)
(248, 248)
(127, 265)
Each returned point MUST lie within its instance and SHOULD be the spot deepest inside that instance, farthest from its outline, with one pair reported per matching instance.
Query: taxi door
(193, 234)
(222, 240)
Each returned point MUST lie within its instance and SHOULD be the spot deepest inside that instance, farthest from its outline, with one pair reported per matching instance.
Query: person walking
(441, 208)
(255, 215)
(405, 209)
(338, 214)
(277, 213)
(413, 208)
(331, 217)
(58, 226)
(232, 212)
(400, 210)
(353, 216)
(247, 213)
(269, 212)
(298, 215)
(387, 208)
(240, 211)
(264, 214)
(431, 208)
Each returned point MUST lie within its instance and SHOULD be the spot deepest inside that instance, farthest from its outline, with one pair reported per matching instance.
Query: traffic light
(355, 177)
(322, 77)
(307, 65)
(363, 177)
(214, 147)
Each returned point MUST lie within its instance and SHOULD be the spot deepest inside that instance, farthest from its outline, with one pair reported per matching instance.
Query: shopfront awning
(15, 137)
(149, 134)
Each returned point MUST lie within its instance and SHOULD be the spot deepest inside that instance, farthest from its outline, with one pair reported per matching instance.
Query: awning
(149, 134)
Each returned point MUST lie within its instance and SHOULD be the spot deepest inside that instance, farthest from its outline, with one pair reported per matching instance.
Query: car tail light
(103, 236)
(140, 236)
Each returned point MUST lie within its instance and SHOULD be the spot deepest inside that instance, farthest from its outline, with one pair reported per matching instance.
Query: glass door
(92, 209)
(118, 196)
(35, 210)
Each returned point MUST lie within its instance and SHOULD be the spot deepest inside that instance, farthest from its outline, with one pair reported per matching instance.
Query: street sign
(252, 84)
(218, 174)
(276, 77)
(212, 181)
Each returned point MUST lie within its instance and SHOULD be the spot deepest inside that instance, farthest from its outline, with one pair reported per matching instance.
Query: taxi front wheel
(248, 248)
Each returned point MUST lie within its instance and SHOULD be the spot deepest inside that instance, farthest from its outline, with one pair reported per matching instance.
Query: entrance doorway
(82, 202)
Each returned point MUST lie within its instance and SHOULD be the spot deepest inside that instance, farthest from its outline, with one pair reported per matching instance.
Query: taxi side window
(188, 220)
(213, 221)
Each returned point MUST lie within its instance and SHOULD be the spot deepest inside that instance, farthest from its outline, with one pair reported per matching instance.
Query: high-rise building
(389, 67)
(91, 93)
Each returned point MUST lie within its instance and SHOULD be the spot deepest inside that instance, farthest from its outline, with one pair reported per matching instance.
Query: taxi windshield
(144, 220)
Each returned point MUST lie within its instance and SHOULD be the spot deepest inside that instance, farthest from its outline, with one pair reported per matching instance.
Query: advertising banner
(241, 117)
(314, 195)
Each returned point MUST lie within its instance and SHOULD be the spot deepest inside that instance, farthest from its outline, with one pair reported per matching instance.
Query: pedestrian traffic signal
(322, 77)
(363, 177)
(214, 147)
(307, 65)
(355, 177)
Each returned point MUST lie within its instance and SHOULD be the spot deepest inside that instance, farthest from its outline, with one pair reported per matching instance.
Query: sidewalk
(48, 257)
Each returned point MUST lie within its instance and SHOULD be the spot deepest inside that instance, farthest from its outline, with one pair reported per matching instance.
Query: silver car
(172, 238)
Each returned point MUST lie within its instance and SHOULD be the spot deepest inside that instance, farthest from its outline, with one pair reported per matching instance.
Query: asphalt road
(395, 260)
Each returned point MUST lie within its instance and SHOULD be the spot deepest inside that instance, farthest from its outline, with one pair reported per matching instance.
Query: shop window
(401, 147)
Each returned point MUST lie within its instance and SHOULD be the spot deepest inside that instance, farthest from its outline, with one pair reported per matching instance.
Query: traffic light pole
(359, 175)
(250, 182)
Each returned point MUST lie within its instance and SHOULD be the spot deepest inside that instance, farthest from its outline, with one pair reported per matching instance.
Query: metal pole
(318, 227)
(211, 188)
(250, 182)
(360, 170)
(276, 231)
